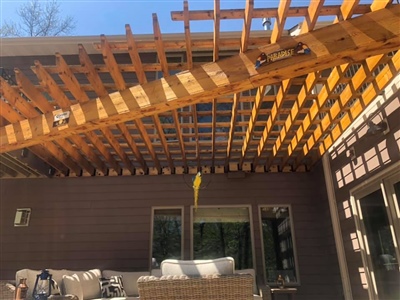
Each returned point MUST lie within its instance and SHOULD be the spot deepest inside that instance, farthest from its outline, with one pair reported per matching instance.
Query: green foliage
(166, 238)
(214, 239)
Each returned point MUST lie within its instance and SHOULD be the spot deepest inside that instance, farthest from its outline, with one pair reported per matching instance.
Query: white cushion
(252, 273)
(223, 266)
(72, 285)
(90, 283)
(129, 280)
(84, 284)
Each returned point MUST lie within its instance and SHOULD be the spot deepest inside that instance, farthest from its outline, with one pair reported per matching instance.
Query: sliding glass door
(377, 206)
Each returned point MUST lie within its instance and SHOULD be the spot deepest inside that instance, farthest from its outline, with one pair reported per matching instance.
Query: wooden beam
(213, 131)
(296, 109)
(312, 15)
(244, 41)
(73, 85)
(280, 20)
(37, 98)
(118, 149)
(235, 106)
(28, 111)
(323, 96)
(164, 67)
(50, 85)
(95, 80)
(69, 79)
(186, 23)
(349, 93)
(121, 85)
(96, 142)
(387, 74)
(216, 33)
(12, 116)
(30, 90)
(63, 102)
(134, 55)
(131, 143)
(179, 135)
(379, 4)
(90, 71)
(273, 117)
(147, 141)
(354, 39)
(258, 100)
(346, 11)
(160, 46)
(259, 13)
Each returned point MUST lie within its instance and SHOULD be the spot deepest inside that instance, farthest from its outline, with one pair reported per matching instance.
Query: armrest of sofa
(216, 287)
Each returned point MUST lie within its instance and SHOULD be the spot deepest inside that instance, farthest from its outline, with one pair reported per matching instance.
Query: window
(223, 231)
(278, 245)
(22, 217)
(166, 235)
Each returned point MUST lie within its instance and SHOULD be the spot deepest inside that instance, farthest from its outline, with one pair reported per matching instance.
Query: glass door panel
(381, 246)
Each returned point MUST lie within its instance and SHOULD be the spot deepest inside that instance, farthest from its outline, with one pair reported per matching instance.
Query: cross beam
(353, 40)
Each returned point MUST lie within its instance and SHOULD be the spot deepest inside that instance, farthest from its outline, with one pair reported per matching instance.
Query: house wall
(104, 222)
(374, 154)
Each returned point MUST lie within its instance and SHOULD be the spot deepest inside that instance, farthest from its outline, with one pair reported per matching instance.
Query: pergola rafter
(139, 125)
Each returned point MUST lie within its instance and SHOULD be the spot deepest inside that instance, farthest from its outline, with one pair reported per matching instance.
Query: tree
(38, 19)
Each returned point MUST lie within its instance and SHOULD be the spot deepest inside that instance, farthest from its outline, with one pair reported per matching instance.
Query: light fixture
(381, 127)
(42, 288)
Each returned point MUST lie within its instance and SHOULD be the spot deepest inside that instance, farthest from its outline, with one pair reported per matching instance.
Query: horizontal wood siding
(374, 154)
(104, 222)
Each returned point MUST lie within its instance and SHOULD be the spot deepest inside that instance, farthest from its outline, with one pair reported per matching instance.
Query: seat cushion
(84, 284)
(72, 285)
(129, 280)
(223, 266)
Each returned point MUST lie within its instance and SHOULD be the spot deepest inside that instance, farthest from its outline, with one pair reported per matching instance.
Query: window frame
(298, 282)
(383, 181)
(154, 208)
(248, 206)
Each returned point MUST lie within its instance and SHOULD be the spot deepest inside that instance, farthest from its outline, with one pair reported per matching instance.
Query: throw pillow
(112, 287)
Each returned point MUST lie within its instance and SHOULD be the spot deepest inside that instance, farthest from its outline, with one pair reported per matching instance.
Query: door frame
(382, 181)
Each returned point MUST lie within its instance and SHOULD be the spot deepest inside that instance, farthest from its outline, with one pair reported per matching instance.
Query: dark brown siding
(104, 222)
(348, 174)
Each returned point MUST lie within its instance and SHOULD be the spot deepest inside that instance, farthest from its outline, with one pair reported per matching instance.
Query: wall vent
(22, 217)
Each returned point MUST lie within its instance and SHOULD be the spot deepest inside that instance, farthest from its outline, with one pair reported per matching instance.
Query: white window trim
(152, 225)
(248, 206)
(378, 181)
(298, 283)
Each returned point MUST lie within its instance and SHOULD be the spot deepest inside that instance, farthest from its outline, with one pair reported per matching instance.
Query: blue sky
(95, 17)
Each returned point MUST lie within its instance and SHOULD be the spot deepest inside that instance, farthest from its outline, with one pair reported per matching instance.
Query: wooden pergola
(216, 116)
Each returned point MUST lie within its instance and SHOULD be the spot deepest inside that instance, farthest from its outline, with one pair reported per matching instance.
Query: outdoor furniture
(290, 292)
(7, 290)
(202, 279)
(206, 287)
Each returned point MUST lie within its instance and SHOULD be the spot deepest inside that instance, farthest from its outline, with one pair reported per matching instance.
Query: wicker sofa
(207, 287)
(212, 279)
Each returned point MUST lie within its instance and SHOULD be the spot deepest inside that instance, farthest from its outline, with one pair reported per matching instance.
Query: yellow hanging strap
(196, 188)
